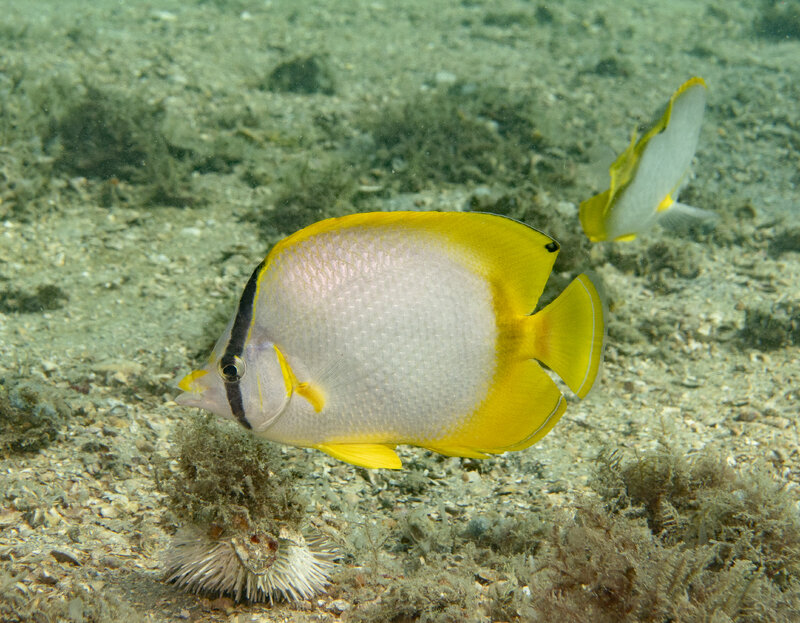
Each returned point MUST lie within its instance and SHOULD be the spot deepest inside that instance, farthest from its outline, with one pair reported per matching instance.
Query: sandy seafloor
(146, 281)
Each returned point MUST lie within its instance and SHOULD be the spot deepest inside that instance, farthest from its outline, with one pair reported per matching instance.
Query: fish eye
(231, 369)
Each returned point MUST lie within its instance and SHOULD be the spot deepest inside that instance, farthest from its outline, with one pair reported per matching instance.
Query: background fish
(647, 177)
(359, 333)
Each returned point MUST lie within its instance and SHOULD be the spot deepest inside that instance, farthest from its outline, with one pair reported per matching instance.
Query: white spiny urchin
(256, 566)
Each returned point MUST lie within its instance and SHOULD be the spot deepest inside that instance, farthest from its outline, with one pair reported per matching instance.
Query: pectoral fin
(370, 455)
(307, 390)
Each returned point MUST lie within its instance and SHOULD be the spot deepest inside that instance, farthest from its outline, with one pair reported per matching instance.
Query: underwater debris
(661, 264)
(81, 602)
(31, 415)
(303, 74)
(241, 534)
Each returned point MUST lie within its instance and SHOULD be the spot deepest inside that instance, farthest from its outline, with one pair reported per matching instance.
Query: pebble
(63, 555)
(45, 577)
(108, 511)
(338, 606)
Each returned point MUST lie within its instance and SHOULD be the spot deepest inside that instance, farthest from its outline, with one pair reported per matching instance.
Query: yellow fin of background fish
(648, 175)
(345, 315)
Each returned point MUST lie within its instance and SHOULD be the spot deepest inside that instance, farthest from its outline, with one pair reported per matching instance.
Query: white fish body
(378, 329)
(648, 176)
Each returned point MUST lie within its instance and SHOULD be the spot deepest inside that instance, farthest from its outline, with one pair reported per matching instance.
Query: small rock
(108, 511)
(62, 555)
(45, 577)
(338, 605)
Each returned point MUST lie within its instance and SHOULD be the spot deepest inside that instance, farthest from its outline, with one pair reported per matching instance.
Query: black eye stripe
(235, 347)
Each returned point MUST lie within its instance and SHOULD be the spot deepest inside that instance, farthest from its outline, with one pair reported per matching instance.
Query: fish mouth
(189, 399)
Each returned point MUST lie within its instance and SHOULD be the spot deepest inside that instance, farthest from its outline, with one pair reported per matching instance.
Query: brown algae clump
(242, 522)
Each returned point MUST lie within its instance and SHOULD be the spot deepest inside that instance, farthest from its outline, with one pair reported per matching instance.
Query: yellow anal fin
(370, 455)
(522, 407)
(568, 335)
(464, 451)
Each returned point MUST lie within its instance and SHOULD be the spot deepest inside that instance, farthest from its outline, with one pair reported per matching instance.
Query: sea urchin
(257, 566)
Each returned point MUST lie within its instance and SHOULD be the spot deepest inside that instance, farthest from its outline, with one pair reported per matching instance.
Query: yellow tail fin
(568, 335)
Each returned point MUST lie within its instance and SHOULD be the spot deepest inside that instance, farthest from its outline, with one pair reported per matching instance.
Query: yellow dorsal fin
(371, 455)
(491, 244)
(666, 203)
(568, 335)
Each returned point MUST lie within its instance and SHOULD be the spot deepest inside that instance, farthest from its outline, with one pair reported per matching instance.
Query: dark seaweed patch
(426, 597)
(459, 136)
(767, 327)
(31, 415)
(302, 74)
(308, 194)
(44, 298)
(105, 135)
(785, 241)
(780, 19)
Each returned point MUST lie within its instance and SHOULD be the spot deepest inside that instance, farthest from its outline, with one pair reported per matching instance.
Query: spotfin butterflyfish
(363, 332)
(647, 177)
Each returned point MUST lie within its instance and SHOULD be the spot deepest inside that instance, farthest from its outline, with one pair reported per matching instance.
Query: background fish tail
(679, 216)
